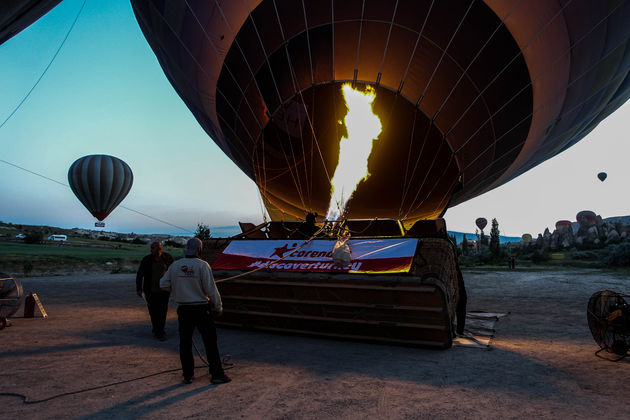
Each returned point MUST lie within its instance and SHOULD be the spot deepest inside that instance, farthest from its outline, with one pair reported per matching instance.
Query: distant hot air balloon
(602, 176)
(479, 91)
(586, 218)
(526, 237)
(560, 223)
(481, 223)
(100, 182)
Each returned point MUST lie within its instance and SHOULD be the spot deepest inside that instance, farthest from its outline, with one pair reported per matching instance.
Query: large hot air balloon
(602, 176)
(16, 15)
(481, 222)
(526, 237)
(469, 94)
(586, 218)
(100, 182)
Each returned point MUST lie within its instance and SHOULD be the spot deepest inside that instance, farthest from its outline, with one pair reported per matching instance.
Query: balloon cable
(47, 67)
(124, 207)
(225, 361)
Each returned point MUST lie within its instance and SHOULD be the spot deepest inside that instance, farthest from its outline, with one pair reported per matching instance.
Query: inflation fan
(10, 297)
(608, 317)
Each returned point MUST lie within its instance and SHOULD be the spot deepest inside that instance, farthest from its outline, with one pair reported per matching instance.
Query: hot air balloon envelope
(602, 176)
(481, 223)
(470, 94)
(100, 182)
(586, 218)
(526, 237)
(16, 15)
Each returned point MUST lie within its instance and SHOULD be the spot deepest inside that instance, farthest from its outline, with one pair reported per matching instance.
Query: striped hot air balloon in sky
(100, 182)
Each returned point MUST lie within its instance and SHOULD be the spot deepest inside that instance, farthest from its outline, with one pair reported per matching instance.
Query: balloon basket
(414, 308)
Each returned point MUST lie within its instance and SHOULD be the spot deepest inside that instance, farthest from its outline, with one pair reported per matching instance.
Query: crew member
(191, 282)
(152, 268)
(308, 228)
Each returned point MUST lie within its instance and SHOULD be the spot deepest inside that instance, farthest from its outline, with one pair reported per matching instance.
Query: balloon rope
(67, 186)
(573, 45)
(437, 65)
(296, 178)
(262, 267)
(415, 47)
(541, 107)
(203, 70)
(248, 67)
(257, 165)
(34, 173)
(538, 76)
(407, 187)
(520, 53)
(483, 47)
(46, 68)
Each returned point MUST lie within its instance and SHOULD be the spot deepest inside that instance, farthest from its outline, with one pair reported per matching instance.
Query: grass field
(21, 259)
(50, 258)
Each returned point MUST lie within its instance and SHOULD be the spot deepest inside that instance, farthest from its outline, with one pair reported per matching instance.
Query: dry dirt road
(540, 364)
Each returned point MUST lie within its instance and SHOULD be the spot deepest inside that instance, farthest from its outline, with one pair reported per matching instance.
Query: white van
(57, 237)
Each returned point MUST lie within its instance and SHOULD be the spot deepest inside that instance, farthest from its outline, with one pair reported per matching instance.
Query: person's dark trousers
(157, 302)
(200, 317)
(460, 309)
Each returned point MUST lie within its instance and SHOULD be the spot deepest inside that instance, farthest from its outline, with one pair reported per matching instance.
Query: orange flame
(363, 127)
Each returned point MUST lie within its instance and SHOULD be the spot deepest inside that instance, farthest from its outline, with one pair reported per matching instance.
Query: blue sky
(106, 93)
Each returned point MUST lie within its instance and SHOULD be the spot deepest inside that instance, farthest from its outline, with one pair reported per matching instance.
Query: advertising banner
(368, 255)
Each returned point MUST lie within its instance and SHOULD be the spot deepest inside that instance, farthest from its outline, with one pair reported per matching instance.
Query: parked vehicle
(57, 238)
(20, 236)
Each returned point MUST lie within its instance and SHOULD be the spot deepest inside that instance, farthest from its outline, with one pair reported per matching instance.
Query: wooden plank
(348, 304)
(327, 319)
(358, 285)
(424, 343)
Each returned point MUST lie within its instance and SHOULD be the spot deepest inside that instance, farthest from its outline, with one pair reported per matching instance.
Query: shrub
(586, 255)
(33, 237)
(138, 241)
(172, 243)
(618, 255)
(540, 257)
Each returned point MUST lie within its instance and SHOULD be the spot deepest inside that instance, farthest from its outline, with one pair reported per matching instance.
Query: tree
(494, 238)
(34, 237)
(479, 239)
(465, 245)
(202, 232)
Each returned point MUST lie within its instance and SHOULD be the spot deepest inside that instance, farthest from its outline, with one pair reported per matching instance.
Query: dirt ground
(539, 365)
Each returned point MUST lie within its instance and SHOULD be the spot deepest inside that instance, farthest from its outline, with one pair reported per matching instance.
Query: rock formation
(590, 230)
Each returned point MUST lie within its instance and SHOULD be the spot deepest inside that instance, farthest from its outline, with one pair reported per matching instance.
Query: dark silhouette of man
(152, 268)
(308, 228)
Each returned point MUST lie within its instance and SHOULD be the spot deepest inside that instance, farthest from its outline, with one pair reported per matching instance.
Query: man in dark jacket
(152, 268)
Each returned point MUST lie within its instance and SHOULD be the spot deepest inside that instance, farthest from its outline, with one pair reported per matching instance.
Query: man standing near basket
(152, 268)
(192, 287)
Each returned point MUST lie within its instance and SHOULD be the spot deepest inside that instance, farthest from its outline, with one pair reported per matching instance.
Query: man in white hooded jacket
(192, 287)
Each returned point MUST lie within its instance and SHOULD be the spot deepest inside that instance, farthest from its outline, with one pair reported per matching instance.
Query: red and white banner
(368, 255)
